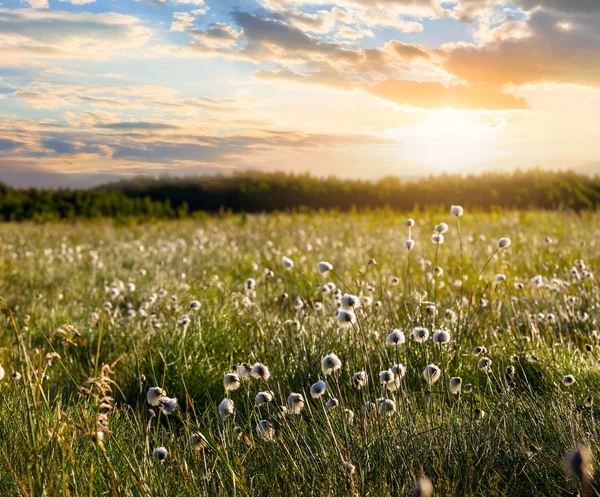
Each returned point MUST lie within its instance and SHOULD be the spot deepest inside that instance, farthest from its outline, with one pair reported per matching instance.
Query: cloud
(38, 4)
(138, 125)
(181, 21)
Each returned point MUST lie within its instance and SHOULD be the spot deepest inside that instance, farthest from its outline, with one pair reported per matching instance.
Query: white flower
(409, 244)
(226, 408)
(348, 415)
(386, 407)
(231, 381)
(263, 398)
(409, 222)
(568, 380)
(131, 287)
(160, 453)
(420, 334)
(2, 373)
(456, 211)
(484, 364)
(198, 441)
(318, 389)
(265, 430)
(324, 267)
(168, 405)
(359, 379)
(250, 284)
(423, 488)
(441, 336)
(330, 363)
(399, 370)
(432, 374)
(295, 403)
(455, 384)
(350, 302)
(441, 228)
(260, 372)
(154, 395)
(396, 337)
(504, 242)
(437, 238)
(332, 403)
(195, 305)
(479, 350)
(243, 370)
(478, 414)
(346, 318)
(287, 262)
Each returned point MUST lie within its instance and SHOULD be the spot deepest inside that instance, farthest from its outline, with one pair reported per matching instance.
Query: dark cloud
(59, 146)
(8, 145)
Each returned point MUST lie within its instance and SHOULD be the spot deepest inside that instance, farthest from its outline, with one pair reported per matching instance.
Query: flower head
(160, 453)
(420, 334)
(396, 337)
(226, 408)
(260, 372)
(504, 242)
(345, 319)
(168, 405)
(263, 398)
(295, 403)
(359, 379)
(456, 211)
(154, 395)
(317, 390)
(287, 262)
(432, 374)
(350, 302)
(330, 364)
(324, 267)
(231, 381)
(455, 385)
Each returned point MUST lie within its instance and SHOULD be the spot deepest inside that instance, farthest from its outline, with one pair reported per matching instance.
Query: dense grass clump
(301, 355)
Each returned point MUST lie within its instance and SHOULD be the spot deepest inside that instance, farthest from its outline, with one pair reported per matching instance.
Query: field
(485, 387)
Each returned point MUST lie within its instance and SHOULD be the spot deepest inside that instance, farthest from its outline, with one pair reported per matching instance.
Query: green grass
(81, 374)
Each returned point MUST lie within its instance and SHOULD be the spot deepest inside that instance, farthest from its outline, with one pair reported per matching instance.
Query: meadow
(301, 354)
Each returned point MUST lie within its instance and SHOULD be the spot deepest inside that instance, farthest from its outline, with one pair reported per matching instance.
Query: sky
(98, 90)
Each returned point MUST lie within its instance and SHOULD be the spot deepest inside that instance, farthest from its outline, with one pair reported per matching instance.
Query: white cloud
(181, 21)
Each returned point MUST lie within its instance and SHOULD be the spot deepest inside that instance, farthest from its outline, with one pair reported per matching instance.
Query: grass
(87, 354)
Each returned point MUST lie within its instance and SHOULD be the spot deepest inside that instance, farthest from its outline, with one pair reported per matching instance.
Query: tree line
(170, 197)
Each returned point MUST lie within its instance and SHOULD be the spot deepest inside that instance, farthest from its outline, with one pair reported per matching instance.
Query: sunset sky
(92, 90)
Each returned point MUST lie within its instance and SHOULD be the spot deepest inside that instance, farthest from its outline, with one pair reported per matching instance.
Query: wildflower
(265, 430)
(131, 287)
(479, 350)
(226, 408)
(455, 385)
(295, 403)
(395, 338)
(243, 370)
(588, 402)
(394, 280)
(359, 379)
(409, 222)
(423, 488)
(432, 374)
(231, 381)
(478, 414)
(2, 373)
(287, 262)
(386, 407)
(484, 364)
(324, 267)
(504, 242)
(168, 405)
(348, 415)
(15, 376)
(579, 464)
(409, 244)
(346, 318)
(331, 404)
(330, 364)
(372, 262)
(260, 372)
(568, 380)
(388, 379)
(198, 441)
(349, 469)
(350, 302)
(456, 211)
(588, 348)
(441, 228)
(420, 334)
(317, 390)
(318, 306)
(250, 284)
(441, 336)
(154, 395)
(160, 453)
(195, 305)
(399, 370)
(263, 398)
(437, 238)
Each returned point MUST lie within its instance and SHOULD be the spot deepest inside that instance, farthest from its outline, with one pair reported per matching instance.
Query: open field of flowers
(339, 354)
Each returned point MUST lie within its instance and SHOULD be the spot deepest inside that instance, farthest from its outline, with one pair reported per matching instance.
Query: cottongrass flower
(456, 210)
(154, 395)
(231, 381)
(409, 244)
(2, 373)
(395, 338)
(479, 350)
(478, 414)
(432, 374)
(195, 305)
(399, 371)
(350, 302)
(349, 469)
(265, 430)
(441, 228)
(330, 364)
(295, 403)
(160, 453)
(287, 262)
(437, 238)
(372, 262)
(226, 408)
(423, 488)
(568, 380)
(324, 267)
(504, 243)
(388, 380)
(263, 398)
(317, 390)
(168, 405)
(409, 222)
(346, 319)
(250, 284)
(580, 464)
(455, 385)
(15, 376)
(420, 334)
(243, 370)
(441, 336)
(359, 379)
(484, 364)
(386, 407)
(348, 415)
(198, 441)
(260, 372)
(332, 404)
